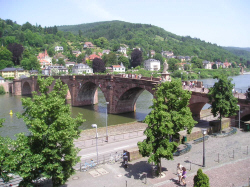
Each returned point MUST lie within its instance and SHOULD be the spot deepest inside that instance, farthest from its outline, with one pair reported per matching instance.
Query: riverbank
(127, 127)
(113, 130)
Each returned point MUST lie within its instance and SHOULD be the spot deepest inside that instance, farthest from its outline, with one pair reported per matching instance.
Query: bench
(200, 139)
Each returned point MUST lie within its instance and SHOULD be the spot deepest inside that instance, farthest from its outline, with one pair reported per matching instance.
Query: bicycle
(111, 160)
(118, 157)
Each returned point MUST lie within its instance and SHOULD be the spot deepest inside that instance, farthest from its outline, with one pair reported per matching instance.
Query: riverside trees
(49, 149)
(170, 114)
(223, 102)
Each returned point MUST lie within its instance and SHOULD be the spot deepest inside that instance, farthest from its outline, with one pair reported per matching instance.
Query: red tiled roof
(93, 56)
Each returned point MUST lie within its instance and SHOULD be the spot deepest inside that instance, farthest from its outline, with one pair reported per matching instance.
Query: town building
(2, 80)
(88, 45)
(44, 59)
(152, 65)
(14, 72)
(55, 70)
(69, 64)
(80, 69)
(118, 68)
(107, 51)
(58, 48)
(207, 64)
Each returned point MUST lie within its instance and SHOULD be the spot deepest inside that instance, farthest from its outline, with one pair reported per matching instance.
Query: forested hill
(241, 52)
(149, 37)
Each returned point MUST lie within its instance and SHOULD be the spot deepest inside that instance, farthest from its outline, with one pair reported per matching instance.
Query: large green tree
(52, 131)
(223, 102)
(173, 64)
(30, 63)
(170, 114)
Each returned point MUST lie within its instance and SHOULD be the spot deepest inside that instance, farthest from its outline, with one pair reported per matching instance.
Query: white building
(122, 50)
(58, 48)
(152, 65)
(118, 68)
(81, 69)
(207, 64)
(55, 70)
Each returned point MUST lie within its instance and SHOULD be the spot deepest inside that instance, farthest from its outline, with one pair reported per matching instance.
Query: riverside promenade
(227, 164)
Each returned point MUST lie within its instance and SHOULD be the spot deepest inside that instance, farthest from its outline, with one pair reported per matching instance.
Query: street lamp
(239, 116)
(95, 126)
(204, 131)
(132, 70)
(107, 122)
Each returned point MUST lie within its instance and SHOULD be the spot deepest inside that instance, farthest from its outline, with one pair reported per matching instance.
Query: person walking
(184, 175)
(179, 171)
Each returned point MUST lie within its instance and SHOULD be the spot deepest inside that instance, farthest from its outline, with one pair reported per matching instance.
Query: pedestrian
(184, 175)
(179, 171)
(203, 88)
(184, 84)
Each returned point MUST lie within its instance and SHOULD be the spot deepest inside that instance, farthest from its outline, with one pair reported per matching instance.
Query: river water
(95, 114)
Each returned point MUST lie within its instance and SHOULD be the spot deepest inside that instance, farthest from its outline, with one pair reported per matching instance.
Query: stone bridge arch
(127, 100)
(197, 102)
(26, 88)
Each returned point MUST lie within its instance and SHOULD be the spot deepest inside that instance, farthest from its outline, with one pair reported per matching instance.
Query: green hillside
(241, 52)
(149, 37)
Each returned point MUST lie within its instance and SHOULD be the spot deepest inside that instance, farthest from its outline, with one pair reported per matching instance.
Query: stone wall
(5, 86)
(225, 123)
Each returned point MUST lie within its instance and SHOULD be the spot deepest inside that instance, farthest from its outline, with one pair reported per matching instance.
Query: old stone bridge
(121, 92)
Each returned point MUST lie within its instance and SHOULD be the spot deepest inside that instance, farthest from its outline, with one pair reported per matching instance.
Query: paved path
(231, 169)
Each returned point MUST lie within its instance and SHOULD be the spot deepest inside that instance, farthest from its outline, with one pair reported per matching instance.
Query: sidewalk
(227, 164)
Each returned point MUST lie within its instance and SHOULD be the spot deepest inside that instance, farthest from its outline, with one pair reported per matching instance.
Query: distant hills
(149, 37)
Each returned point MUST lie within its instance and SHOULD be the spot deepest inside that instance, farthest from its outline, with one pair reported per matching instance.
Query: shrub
(201, 179)
(2, 91)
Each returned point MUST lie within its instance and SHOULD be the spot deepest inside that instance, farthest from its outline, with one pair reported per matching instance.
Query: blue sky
(224, 22)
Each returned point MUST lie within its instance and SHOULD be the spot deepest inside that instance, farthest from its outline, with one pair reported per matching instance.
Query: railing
(90, 163)
(85, 143)
(238, 92)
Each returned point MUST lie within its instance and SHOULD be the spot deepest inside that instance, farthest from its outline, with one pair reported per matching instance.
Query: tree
(170, 114)
(222, 99)
(159, 57)
(88, 51)
(197, 63)
(233, 65)
(136, 58)
(110, 59)
(201, 179)
(30, 63)
(124, 60)
(52, 131)
(17, 50)
(61, 61)
(214, 66)
(5, 58)
(98, 65)
(173, 64)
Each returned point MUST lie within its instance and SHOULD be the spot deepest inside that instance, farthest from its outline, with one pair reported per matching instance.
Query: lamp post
(107, 138)
(204, 131)
(95, 126)
(239, 116)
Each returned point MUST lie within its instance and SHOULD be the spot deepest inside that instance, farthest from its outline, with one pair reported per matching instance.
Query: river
(95, 114)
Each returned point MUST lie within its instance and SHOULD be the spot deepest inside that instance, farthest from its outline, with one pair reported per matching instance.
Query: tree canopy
(136, 58)
(223, 102)
(98, 65)
(170, 114)
(201, 179)
(49, 150)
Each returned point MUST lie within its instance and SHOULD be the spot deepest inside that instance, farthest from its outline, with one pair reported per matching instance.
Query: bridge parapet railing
(90, 142)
